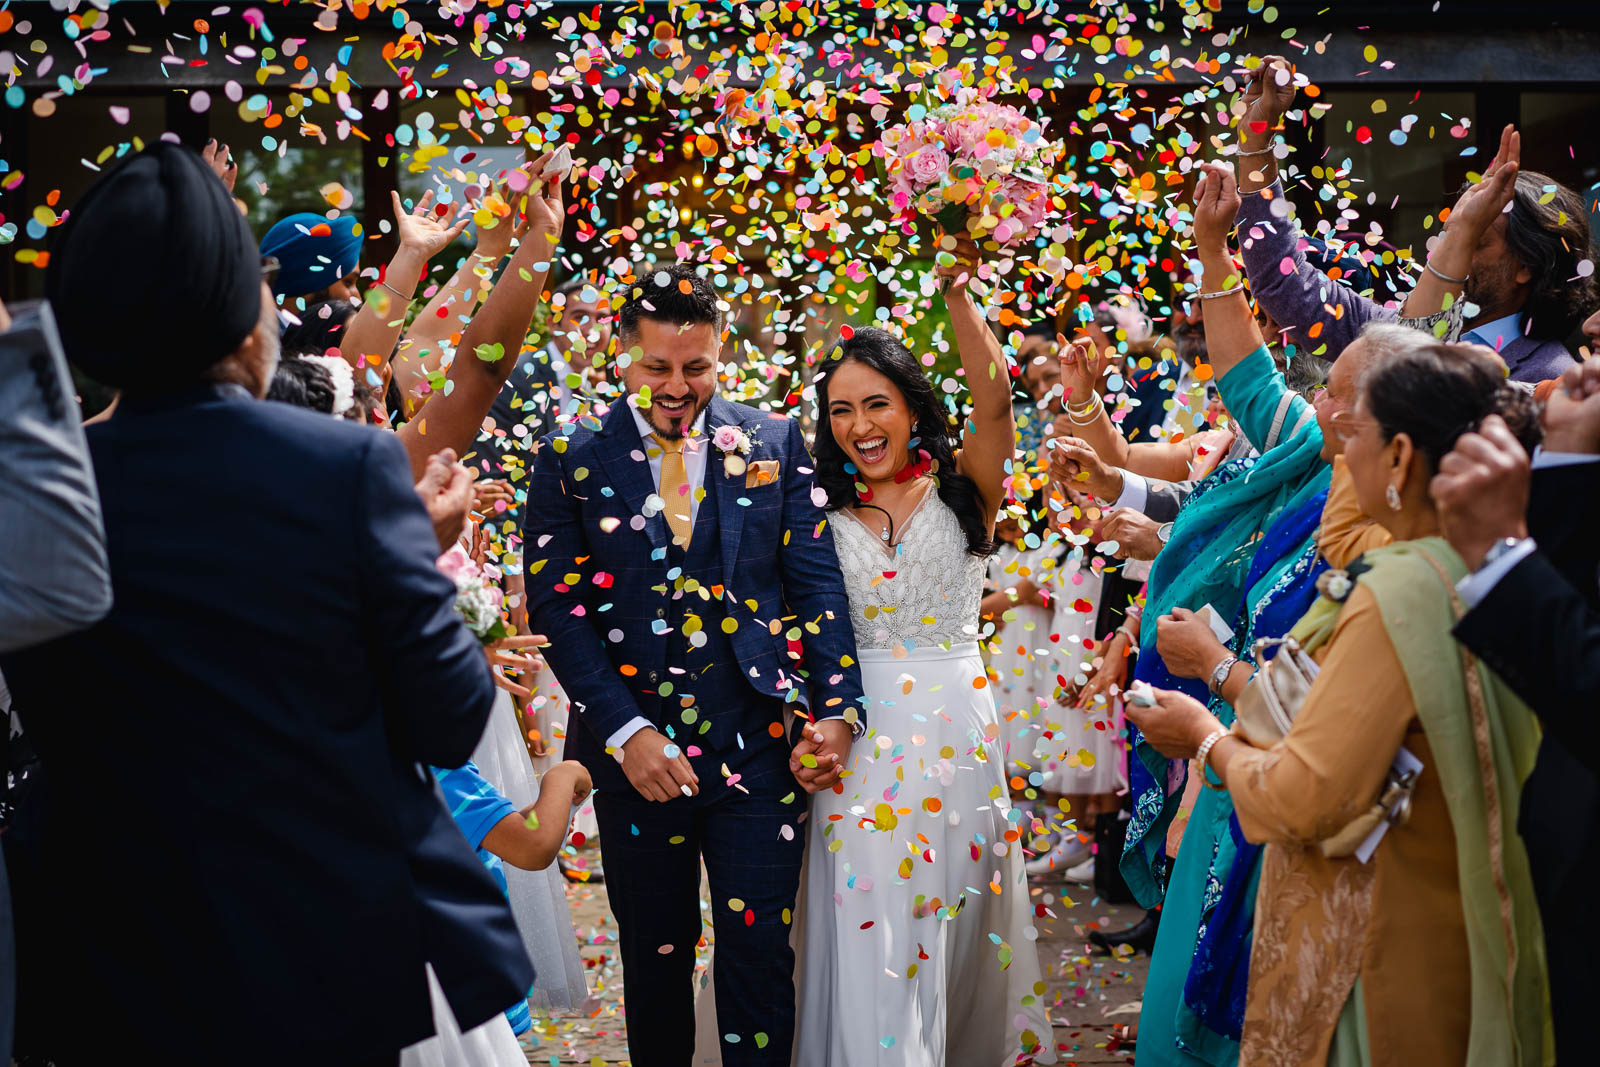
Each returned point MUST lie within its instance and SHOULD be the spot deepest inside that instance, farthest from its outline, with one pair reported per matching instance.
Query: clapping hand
(1137, 535)
(420, 231)
(1074, 462)
(818, 761)
(1481, 490)
(446, 491)
(1572, 414)
(221, 162)
(1216, 206)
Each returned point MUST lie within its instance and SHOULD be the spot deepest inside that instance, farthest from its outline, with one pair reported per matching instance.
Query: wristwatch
(1164, 532)
(1500, 548)
(1220, 672)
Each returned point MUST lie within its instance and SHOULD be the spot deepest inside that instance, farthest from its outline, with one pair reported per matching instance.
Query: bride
(914, 938)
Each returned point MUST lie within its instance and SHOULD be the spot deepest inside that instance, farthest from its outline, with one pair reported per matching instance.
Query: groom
(690, 589)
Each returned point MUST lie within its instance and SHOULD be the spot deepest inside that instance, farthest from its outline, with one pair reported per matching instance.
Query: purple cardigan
(1299, 297)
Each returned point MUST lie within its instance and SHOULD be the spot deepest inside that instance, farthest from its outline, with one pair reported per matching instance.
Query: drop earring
(1391, 496)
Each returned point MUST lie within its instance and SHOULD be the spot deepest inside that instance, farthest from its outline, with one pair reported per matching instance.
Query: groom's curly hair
(673, 294)
(936, 429)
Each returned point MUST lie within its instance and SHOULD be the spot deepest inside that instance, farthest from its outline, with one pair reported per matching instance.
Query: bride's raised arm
(989, 437)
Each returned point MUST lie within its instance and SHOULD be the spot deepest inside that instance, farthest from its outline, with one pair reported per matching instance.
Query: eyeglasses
(269, 269)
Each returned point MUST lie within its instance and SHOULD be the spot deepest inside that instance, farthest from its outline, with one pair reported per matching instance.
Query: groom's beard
(673, 428)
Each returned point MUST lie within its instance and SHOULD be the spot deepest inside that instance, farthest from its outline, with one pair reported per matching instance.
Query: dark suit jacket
(528, 398)
(597, 576)
(1539, 629)
(237, 858)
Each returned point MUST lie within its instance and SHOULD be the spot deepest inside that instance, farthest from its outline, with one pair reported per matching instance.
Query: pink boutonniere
(734, 444)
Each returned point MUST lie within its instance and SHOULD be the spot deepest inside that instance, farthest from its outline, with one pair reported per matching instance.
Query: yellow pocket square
(761, 472)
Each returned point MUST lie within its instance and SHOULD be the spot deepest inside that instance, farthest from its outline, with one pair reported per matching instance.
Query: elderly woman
(1427, 948)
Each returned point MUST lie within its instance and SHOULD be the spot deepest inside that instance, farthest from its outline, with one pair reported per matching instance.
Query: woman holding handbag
(1381, 765)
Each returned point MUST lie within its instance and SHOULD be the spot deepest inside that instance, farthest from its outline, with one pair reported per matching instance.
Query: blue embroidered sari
(1244, 543)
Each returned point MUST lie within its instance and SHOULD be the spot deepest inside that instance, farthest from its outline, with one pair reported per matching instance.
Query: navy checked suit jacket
(597, 574)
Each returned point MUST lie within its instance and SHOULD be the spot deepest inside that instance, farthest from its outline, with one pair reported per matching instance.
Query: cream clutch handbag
(1265, 713)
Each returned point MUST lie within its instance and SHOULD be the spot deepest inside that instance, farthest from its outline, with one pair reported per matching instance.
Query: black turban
(154, 277)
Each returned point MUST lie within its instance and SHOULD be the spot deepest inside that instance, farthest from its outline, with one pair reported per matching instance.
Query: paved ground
(1090, 994)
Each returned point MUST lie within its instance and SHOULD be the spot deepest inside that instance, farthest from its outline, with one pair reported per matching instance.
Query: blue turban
(312, 252)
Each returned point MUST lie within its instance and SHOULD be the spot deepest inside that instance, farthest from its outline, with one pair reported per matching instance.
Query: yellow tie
(675, 489)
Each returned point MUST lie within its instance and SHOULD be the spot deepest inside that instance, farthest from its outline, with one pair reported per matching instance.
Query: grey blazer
(54, 578)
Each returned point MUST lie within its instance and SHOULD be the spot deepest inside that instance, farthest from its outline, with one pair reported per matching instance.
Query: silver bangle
(1223, 292)
(1206, 746)
(1267, 151)
(395, 291)
(1443, 277)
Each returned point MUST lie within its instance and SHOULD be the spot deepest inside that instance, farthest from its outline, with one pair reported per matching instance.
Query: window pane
(282, 169)
(1402, 156)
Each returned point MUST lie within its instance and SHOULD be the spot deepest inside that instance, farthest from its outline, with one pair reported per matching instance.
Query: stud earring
(1391, 496)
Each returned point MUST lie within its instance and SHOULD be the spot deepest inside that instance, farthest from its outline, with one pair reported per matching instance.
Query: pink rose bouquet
(478, 595)
(973, 165)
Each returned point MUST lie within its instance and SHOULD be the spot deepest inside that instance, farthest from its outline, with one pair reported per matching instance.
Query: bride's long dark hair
(877, 349)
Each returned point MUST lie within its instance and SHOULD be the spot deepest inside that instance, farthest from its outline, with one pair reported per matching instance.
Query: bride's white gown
(914, 936)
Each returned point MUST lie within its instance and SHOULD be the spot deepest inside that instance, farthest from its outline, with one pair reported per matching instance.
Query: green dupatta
(1484, 740)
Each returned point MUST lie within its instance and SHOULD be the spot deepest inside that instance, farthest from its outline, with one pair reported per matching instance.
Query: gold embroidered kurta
(1395, 922)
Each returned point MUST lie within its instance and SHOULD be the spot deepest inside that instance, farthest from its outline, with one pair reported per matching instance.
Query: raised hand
(964, 259)
(1268, 95)
(657, 768)
(221, 162)
(1481, 490)
(545, 214)
(420, 232)
(1216, 205)
(494, 242)
(1480, 205)
(1080, 370)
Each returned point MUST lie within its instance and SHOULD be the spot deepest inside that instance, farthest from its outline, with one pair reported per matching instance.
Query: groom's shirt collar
(647, 432)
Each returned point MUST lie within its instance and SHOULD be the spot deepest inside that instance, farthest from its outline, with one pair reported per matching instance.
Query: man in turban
(318, 258)
(232, 851)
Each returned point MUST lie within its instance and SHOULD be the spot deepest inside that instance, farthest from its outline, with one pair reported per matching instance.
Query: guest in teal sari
(1245, 544)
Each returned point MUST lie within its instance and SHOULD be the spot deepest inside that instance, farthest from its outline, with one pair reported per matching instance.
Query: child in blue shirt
(528, 839)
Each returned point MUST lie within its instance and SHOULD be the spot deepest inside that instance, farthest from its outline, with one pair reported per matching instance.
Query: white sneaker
(1083, 873)
(1068, 852)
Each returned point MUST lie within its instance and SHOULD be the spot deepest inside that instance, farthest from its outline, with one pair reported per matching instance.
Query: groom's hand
(828, 743)
(657, 768)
